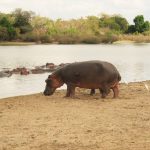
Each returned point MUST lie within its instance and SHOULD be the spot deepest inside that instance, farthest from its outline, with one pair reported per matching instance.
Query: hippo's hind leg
(116, 91)
(70, 90)
(104, 91)
(92, 92)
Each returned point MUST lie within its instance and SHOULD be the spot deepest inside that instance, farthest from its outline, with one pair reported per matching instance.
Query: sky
(69, 9)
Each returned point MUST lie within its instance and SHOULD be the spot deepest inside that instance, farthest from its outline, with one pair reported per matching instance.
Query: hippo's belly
(94, 84)
(87, 85)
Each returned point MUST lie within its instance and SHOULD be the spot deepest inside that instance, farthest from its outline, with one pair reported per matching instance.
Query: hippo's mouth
(49, 92)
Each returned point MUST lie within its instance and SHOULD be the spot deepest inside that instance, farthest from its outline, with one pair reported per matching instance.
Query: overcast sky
(67, 9)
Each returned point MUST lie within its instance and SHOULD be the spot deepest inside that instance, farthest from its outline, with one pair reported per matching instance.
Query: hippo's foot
(114, 97)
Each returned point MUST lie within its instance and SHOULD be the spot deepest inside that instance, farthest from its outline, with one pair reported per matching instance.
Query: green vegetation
(4, 43)
(25, 26)
(140, 25)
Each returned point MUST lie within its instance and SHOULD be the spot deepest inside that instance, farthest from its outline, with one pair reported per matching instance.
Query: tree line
(22, 25)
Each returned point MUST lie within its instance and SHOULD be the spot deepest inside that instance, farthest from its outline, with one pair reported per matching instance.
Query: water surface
(132, 60)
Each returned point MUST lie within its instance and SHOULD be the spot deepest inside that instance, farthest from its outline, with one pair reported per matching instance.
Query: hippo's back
(90, 72)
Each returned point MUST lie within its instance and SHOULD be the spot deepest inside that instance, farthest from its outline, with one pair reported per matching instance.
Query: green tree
(11, 33)
(116, 23)
(22, 20)
(139, 21)
(140, 24)
(122, 22)
(4, 34)
(4, 22)
(146, 26)
(131, 29)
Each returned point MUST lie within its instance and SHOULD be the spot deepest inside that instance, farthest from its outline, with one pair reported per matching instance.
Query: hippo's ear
(51, 76)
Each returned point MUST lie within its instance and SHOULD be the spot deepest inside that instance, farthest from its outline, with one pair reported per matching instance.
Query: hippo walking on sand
(89, 74)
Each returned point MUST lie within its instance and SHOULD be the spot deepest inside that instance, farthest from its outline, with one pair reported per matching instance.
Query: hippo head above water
(52, 83)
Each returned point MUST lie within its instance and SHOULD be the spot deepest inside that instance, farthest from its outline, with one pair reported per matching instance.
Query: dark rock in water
(43, 66)
(37, 71)
(50, 65)
(5, 74)
(40, 67)
(17, 70)
(24, 71)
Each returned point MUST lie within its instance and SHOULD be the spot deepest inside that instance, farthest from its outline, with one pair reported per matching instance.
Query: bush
(4, 34)
(66, 39)
(90, 40)
(109, 38)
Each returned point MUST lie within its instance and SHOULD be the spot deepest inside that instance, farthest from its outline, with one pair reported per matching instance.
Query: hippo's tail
(119, 77)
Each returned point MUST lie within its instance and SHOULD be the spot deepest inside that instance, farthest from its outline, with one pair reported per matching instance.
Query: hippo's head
(52, 83)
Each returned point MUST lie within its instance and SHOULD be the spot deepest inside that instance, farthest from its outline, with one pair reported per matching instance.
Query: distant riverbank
(122, 39)
(16, 43)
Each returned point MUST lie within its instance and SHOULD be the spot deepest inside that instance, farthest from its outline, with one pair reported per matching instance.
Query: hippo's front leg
(70, 91)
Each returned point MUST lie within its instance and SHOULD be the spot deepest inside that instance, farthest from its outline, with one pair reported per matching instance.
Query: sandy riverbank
(36, 122)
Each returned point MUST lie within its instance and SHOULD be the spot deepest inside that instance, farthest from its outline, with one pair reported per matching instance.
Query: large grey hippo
(88, 74)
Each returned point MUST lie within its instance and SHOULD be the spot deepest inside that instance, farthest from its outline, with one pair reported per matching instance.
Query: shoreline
(16, 43)
(38, 122)
(142, 83)
(7, 43)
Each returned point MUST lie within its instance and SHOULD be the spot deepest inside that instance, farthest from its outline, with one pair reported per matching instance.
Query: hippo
(94, 74)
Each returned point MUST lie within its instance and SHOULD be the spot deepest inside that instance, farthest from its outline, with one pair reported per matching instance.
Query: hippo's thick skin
(89, 74)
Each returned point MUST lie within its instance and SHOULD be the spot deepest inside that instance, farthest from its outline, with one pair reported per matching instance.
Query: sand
(36, 122)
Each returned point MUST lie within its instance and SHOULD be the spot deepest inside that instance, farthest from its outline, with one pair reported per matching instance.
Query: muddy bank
(36, 122)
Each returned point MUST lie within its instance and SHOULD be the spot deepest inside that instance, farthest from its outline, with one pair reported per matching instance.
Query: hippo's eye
(48, 81)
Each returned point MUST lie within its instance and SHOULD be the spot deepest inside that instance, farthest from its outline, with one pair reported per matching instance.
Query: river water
(132, 61)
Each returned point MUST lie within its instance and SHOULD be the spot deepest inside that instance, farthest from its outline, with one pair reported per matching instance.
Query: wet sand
(36, 122)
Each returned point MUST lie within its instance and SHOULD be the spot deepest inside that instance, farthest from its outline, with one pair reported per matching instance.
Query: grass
(16, 43)
(135, 38)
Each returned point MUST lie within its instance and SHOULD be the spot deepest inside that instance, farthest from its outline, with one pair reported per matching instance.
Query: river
(132, 61)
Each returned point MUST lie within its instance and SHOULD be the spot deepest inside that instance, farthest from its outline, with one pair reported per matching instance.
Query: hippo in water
(88, 74)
